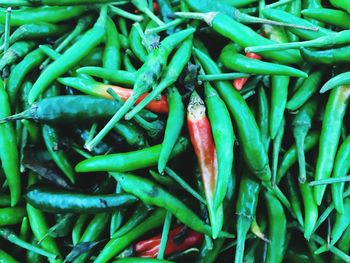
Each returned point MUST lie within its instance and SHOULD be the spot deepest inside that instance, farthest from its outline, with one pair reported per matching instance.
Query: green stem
(248, 94)
(120, 12)
(164, 27)
(183, 183)
(223, 76)
(165, 232)
(331, 181)
(153, 17)
(145, 42)
(11, 237)
(7, 29)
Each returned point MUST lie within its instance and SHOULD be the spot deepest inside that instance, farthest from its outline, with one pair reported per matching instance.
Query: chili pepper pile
(174, 131)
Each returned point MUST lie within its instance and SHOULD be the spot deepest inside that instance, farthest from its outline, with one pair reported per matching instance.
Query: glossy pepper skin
(341, 168)
(177, 241)
(248, 132)
(330, 135)
(203, 143)
(60, 201)
(129, 161)
(9, 154)
(71, 57)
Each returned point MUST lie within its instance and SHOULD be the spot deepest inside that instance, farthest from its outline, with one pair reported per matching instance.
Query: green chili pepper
(120, 77)
(245, 36)
(92, 233)
(276, 249)
(301, 124)
(142, 260)
(341, 4)
(245, 209)
(170, 75)
(116, 245)
(136, 45)
(8, 149)
(329, 138)
(19, 72)
(309, 86)
(111, 57)
(11, 215)
(310, 209)
(83, 23)
(77, 230)
(71, 57)
(37, 30)
(221, 126)
(339, 80)
(129, 161)
(147, 75)
(141, 213)
(263, 116)
(15, 52)
(4, 257)
(58, 110)
(291, 155)
(173, 128)
(277, 142)
(342, 222)
(329, 16)
(329, 56)
(60, 201)
(51, 139)
(343, 244)
(248, 132)
(294, 199)
(238, 62)
(279, 95)
(152, 194)
(341, 168)
(50, 14)
(131, 134)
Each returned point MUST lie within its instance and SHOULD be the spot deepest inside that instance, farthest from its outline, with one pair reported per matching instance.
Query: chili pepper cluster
(174, 131)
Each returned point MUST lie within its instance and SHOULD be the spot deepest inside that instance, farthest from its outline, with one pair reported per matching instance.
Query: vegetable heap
(174, 131)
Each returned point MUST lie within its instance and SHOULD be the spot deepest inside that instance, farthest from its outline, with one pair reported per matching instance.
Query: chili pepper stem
(113, 121)
(342, 179)
(19, 116)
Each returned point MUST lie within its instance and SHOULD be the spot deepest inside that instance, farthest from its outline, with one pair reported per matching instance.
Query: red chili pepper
(203, 143)
(239, 83)
(155, 7)
(159, 106)
(150, 247)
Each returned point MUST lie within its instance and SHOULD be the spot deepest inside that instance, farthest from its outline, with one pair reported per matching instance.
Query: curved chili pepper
(150, 247)
(341, 4)
(173, 128)
(330, 135)
(329, 16)
(238, 62)
(328, 56)
(339, 80)
(309, 86)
